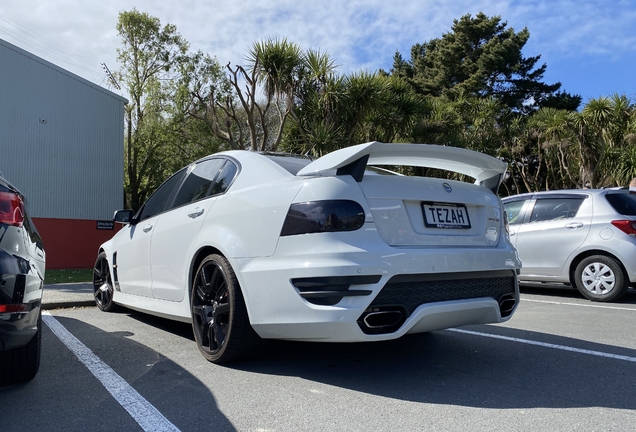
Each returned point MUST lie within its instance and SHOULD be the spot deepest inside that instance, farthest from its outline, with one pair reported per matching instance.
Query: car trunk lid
(419, 211)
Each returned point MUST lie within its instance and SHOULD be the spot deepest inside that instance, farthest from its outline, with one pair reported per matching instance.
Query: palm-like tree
(590, 145)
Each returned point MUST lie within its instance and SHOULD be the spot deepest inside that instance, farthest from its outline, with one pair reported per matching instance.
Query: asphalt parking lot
(561, 363)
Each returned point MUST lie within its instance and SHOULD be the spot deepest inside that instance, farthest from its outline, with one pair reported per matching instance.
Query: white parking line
(548, 345)
(579, 304)
(146, 415)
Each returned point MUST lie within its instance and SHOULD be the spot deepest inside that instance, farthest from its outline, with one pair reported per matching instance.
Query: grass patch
(68, 276)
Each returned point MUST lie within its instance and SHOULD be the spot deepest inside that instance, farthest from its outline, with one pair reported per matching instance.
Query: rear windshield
(379, 171)
(294, 163)
(624, 203)
(291, 163)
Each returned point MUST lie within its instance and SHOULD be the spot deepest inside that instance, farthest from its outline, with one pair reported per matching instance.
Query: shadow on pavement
(452, 368)
(445, 367)
(569, 292)
(47, 404)
(457, 369)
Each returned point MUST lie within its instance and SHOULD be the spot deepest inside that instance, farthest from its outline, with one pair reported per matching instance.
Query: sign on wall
(105, 225)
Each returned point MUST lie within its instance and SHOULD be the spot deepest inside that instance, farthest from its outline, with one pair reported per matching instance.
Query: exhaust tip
(507, 304)
(383, 319)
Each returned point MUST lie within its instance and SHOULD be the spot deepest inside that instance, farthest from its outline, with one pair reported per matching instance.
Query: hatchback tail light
(323, 216)
(627, 226)
(11, 209)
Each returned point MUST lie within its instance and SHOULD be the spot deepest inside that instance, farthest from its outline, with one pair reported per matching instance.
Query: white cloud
(79, 35)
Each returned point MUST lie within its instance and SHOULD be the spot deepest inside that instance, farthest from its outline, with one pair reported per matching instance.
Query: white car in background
(250, 245)
(582, 237)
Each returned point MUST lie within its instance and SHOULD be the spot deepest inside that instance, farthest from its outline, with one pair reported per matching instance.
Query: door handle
(573, 225)
(147, 228)
(196, 213)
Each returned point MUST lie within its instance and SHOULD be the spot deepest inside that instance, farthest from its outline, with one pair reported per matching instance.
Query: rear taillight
(11, 209)
(323, 216)
(10, 308)
(627, 226)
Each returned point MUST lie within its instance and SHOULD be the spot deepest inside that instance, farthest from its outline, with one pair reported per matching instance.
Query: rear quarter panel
(247, 223)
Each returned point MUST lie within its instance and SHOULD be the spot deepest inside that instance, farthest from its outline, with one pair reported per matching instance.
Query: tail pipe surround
(507, 304)
(382, 319)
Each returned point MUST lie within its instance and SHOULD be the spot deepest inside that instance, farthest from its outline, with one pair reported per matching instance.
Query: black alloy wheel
(102, 284)
(219, 317)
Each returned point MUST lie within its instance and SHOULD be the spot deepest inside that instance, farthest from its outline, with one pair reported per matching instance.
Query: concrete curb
(67, 304)
(59, 296)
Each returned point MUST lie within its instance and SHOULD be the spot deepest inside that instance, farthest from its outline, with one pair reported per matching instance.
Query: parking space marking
(146, 415)
(579, 304)
(548, 345)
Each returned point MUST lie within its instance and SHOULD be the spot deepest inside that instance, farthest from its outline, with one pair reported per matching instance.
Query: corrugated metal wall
(61, 138)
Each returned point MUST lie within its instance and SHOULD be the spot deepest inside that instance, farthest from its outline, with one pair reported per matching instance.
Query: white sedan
(250, 246)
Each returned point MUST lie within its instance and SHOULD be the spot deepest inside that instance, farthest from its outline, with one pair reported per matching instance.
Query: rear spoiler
(486, 170)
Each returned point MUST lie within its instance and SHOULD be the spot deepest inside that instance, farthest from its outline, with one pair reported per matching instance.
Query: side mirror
(123, 216)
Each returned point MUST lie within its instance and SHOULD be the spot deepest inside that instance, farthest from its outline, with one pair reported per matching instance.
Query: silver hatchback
(583, 237)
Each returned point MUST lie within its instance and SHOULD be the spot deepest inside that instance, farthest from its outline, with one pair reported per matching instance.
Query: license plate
(443, 215)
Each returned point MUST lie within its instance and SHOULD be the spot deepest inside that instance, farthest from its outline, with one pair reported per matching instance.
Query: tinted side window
(555, 208)
(197, 184)
(225, 179)
(158, 200)
(512, 211)
(624, 204)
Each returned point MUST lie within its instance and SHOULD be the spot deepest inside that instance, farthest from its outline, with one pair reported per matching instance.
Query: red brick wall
(71, 243)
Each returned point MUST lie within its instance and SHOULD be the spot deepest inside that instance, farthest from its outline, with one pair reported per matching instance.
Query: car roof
(564, 193)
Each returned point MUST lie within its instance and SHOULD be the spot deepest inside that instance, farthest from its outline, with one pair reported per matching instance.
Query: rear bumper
(21, 292)
(431, 317)
(624, 251)
(434, 288)
(17, 329)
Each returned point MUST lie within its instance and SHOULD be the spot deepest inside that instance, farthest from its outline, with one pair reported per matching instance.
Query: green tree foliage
(253, 114)
(482, 57)
(559, 149)
(334, 111)
(601, 137)
(469, 122)
(148, 55)
(198, 73)
(397, 113)
(471, 88)
(159, 76)
(305, 103)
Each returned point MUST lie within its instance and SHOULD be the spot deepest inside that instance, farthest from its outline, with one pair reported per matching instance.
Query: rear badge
(447, 187)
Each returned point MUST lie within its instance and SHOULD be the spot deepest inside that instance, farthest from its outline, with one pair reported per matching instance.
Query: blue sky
(588, 45)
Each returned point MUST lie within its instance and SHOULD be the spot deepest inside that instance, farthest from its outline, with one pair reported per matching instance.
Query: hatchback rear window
(624, 204)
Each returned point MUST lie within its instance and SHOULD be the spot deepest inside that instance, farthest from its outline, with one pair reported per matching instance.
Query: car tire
(220, 321)
(601, 278)
(103, 284)
(22, 364)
